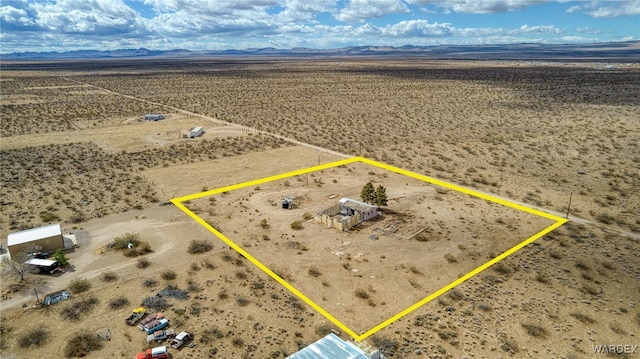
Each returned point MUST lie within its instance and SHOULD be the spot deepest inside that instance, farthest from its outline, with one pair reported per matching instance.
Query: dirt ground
(503, 128)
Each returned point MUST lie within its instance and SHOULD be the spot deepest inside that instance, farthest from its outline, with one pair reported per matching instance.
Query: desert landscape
(558, 137)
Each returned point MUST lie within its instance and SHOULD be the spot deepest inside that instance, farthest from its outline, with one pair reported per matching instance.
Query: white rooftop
(330, 347)
(33, 234)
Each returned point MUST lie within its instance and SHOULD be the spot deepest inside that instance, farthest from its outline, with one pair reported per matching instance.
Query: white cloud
(607, 8)
(359, 10)
(479, 6)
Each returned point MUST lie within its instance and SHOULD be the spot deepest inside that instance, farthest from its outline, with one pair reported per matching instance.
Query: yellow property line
(558, 222)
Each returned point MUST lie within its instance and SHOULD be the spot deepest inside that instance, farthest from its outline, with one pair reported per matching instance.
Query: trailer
(195, 132)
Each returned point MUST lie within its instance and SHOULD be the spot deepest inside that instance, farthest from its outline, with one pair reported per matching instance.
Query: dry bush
(118, 303)
(168, 274)
(297, 225)
(199, 246)
(314, 272)
(82, 344)
(535, 330)
(149, 282)
(75, 310)
(583, 318)
(155, 303)
(361, 293)
(108, 276)
(79, 285)
(143, 263)
(34, 337)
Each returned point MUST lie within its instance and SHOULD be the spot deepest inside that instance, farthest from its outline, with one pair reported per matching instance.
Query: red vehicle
(154, 353)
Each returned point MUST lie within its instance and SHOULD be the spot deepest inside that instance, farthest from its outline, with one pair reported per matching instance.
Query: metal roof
(34, 234)
(330, 347)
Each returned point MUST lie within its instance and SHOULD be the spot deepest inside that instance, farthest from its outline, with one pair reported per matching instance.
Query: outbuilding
(46, 239)
(332, 347)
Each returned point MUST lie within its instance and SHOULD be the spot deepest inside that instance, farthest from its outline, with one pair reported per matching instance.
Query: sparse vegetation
(535, 330)
(168, 275)
(35, 337)
(297, 225)
(314, 272)
(118, 303)
(197, 246)
(82, 344)
(361, 293)
(108, 276)
(143, 263)
(79, 285)
(76, 309)
(582, 318)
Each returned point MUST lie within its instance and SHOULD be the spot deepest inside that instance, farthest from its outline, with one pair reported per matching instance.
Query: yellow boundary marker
(358, 337)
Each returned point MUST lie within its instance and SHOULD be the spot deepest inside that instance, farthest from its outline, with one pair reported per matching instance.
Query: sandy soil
(532, 134)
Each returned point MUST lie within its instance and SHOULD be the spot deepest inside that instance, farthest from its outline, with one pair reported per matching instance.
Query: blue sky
(66, 25)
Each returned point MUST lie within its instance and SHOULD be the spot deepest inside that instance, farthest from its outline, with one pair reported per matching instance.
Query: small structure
(287, 203)
(44, 266)
(47, 239)
(332, 347)
(195, 132)
(153, 117)
(347, 213)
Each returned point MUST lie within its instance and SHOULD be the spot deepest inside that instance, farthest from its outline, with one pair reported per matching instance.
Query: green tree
(368, 193)
(380, 196)
(60, 257)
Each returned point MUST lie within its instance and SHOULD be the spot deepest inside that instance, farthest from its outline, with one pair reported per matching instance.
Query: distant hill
(612, 51)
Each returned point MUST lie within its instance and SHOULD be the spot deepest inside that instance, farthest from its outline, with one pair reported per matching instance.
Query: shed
(47, 238)
(330, 347)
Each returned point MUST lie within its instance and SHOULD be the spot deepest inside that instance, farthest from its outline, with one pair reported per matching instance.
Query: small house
(153, 117)
(47, 239)
(347, 213)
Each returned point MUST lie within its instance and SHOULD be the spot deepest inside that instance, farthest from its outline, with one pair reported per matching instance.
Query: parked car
(181, 339)
(136, 315)
(154, 353)
(149, 319)
(161, 335)
(156, 325)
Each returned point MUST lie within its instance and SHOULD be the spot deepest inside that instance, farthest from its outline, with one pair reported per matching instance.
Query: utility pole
(569, 206)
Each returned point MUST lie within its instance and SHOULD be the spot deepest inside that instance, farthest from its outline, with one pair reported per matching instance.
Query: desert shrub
(199, 246)
(122, 242)
(616, 328)
(140, 249)
(241, 275)
(208, 264)
(314, 272)
(542, 277)
(421, 237)
(211, 334)
(415, 270)
(450, 258)
(149, 282)
(638, 318)
(297, 225)
(455, 294)
(173, 292)
(582, 265)
(484, 306)
(242, 301)
(237, 342)
(108, 276)
(118, 303)
(605, 218)
(257, 285)
(361, 293)
(168, 274)
(264, 223)
(535, 330)
(73, 311)
(307, 216)
(223, 295)
(194, 266)
(324, 329)
(583, 318)
(588, 288)
(34, 337)
(143, 263)
(155, 303)
(79, 285)
(82, 344)
(501, 268)
(385, 345)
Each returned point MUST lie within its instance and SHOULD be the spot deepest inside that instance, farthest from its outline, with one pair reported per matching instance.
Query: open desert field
(76, 150)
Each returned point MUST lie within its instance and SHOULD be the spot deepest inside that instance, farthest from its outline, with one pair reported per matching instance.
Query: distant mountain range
(612, 51)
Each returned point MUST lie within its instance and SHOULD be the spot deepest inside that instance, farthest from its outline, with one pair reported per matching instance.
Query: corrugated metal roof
(330, 347)
(34, 234)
